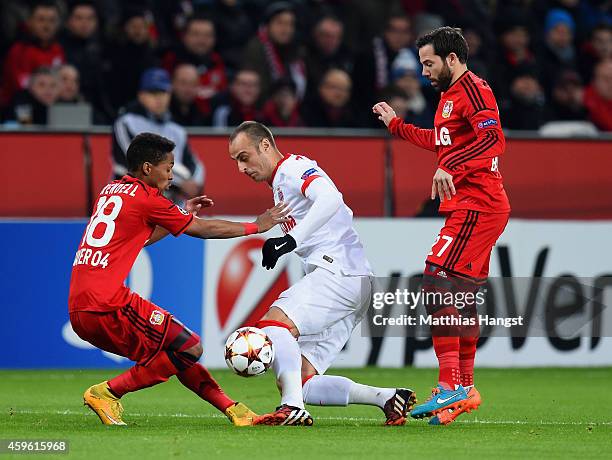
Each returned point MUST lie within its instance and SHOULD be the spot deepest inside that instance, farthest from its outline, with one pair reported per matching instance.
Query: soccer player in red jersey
(468, 140)
(129, 214)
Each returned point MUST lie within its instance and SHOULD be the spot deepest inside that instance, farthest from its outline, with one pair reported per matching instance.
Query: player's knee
(195, 351)
(276, 315)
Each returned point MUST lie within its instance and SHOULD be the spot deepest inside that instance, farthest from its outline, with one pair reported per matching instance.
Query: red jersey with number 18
(468, 140)
(126, 213)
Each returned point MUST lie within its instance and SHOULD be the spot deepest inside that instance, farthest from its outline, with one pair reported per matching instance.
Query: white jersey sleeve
(326, 200)
(320, 221)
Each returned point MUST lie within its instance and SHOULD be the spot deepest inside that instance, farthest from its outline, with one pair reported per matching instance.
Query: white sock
(372, 396)
(287, 365)
(327, 390)
(333, 390)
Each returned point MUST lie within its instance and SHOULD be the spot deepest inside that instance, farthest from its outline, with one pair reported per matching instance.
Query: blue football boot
(440, 399)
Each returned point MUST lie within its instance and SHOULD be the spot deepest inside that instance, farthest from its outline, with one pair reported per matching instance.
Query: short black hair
(149, 148)
(256, 132)
(445, 40)
(599, 27)
(43, 4)
(73, 5)
(42, 70)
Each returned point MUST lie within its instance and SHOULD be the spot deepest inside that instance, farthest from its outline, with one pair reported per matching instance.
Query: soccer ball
(249, 352)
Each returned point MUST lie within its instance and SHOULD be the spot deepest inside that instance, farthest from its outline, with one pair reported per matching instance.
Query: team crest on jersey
(279, 194)
(447, 109)
(182, 211)
(157, 317)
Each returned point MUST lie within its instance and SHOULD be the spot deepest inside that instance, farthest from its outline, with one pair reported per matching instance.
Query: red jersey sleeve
(489, 142)
(418, 136)
(162, 212)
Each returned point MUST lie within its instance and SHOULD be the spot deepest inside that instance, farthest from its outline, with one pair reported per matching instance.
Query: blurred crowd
(312, 63)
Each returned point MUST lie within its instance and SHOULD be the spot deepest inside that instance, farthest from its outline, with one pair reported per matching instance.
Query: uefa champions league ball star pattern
(249, 352)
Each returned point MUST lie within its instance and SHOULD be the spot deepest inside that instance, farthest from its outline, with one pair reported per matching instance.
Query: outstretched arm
(192, 206)
(418, 136)
(220, 229)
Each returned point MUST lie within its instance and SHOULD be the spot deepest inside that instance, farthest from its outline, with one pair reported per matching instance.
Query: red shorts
(464, 244)
(136, 331)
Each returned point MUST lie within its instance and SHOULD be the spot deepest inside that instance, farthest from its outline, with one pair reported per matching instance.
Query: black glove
(273, 248)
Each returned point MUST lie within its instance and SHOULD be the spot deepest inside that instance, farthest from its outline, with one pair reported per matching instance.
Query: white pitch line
(345, 419)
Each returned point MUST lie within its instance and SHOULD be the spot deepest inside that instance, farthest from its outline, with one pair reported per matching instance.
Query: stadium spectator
(70, 92)
(596, 49)
(128, 56)
(69, 84)
(281, 109)
(559, 52)
(38, 48)
(598, 96)
(326, 50)
(514, 51)
(30, 106)
(525, 108)
(240, 103)
(274, 53)
(197, 48)
(183, 106)
(567, 101)
(418, 110)
(82, 48)
(365, 19)
(149, 113)
(331, 107)
(374, 66)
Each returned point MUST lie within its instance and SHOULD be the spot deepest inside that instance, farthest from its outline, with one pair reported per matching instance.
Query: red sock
(447, 351)
(198, 379)
(467, 352)
(158, 370)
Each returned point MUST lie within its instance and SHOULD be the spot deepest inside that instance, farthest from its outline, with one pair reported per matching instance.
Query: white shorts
(325, 309)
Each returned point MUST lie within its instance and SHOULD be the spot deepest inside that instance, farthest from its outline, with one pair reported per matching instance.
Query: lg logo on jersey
(442, 137)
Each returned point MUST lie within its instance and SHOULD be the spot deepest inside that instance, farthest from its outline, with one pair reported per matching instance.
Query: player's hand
(273, 248)
(273, 216)
(384, 111)
(194, 205)
(442, 185)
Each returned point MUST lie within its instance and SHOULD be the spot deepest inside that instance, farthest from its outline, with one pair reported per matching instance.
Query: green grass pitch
(526, 413)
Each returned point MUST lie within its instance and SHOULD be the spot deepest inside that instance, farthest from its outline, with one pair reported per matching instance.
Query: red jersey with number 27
(126, 213)
(468, 140)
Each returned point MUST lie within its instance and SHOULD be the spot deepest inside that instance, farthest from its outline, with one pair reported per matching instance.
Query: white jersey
(334, 246)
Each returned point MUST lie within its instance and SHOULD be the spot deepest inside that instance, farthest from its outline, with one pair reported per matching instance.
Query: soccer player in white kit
(310, 322)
